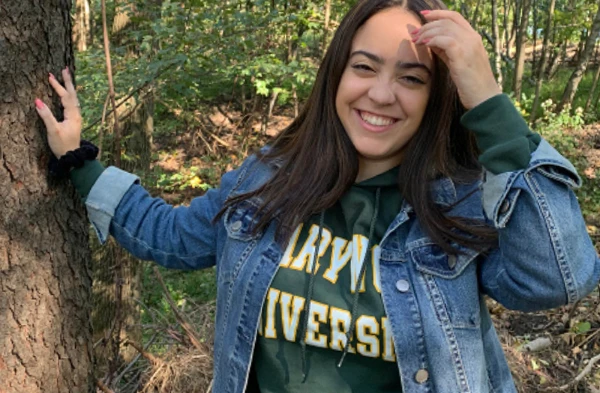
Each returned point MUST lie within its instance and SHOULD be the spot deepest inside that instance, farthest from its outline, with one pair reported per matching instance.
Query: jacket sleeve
(149, 228)
(545, 257)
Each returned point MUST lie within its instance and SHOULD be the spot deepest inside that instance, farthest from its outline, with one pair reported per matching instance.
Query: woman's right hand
(66, 135)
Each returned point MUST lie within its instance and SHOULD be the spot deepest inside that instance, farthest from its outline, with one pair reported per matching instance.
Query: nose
(381, 93)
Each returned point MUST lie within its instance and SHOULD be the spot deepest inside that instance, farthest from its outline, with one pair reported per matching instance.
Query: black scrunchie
(61, 167)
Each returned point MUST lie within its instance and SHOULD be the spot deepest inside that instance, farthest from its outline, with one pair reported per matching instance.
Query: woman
(353, 254)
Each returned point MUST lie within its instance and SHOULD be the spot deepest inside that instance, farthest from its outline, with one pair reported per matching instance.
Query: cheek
(415, 103)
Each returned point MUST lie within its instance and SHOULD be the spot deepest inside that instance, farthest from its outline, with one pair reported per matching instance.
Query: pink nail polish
(51, 75)
(425, 41)
(425, 12)
(38, 103)
(415, 31)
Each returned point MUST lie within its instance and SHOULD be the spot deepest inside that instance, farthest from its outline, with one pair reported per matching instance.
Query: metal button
(452, 261)
(236, 226)
(422, 376)
(505, 207)
(402, 285)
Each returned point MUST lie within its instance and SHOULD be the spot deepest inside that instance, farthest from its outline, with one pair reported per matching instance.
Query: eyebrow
(401, 65)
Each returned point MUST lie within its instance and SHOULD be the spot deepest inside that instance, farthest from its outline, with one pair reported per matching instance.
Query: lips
(375, 122)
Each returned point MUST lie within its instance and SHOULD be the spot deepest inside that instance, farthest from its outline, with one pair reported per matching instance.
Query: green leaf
(583, 327)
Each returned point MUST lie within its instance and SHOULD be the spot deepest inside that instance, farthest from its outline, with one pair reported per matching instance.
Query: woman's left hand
(451, 37)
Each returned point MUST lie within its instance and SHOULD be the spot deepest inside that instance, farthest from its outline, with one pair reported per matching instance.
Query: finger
(454, 16)
(70, 101)
(47, 116)
(58, 88)
(448, 45)
(441, 25)
(427, 35)
(68, 81)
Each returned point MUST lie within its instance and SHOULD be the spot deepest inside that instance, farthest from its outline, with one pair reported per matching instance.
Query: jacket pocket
(239, 222)
(241, 219)
(451, 283)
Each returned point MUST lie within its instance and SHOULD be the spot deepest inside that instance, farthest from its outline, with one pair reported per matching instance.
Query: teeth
(376, 120)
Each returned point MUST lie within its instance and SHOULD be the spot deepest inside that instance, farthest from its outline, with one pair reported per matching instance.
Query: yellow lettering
(316, 314)
(376, 254)
(367, 330)
(305, 257)
(291, 306)
(340, 255)
(359, 248)
(339, 325)
(272, 298)
(388, 343)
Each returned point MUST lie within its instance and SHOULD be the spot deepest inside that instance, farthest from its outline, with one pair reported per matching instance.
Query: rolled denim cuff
(105, 196)
(499, 195)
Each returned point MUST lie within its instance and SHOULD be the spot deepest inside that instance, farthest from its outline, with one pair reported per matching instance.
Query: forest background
(180, 92)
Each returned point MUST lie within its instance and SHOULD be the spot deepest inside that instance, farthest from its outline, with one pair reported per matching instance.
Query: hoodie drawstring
(311, 283)
(361, 275)
(309, 293)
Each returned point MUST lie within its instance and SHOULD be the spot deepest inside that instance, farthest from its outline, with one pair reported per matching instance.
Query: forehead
(387, 34)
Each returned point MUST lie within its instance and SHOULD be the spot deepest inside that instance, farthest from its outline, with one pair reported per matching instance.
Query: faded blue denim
(545, 259)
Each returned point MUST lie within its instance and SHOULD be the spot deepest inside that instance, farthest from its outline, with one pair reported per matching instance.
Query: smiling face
(384, 90)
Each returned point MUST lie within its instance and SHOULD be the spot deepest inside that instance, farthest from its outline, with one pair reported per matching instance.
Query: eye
(412, 80)
(362, 67)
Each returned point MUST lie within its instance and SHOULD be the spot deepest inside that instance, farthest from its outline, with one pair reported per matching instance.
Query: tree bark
(542, 62)
(476, 13)
(558, 57)
(520, 55)
(573, 84)
(44, 277)
(81, 28)
(326, 27)
(535, 36)
(497, 49)
(506, 29)
(588, 103)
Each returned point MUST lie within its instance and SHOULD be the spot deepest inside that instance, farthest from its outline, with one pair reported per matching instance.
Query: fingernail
(414, 39)
(425, 41)
(51, 75)
(425, 12)
(415, 31)
(38, 103)
(67, 69)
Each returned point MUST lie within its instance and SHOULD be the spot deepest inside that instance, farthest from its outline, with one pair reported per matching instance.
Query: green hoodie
(370, 365)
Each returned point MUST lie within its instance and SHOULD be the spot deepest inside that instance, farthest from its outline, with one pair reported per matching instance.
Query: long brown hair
(317, 162)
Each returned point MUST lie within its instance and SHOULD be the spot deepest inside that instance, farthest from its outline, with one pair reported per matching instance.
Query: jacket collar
(444, 191)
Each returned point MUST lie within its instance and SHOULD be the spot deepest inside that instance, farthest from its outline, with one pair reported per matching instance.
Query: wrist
(74, 158)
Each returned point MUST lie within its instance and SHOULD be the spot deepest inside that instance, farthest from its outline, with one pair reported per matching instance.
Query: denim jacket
(442, 331)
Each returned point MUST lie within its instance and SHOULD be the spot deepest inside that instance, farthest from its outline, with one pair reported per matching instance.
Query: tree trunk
(506, 29)
(542, 61)
(81, 28)
(516, 12)
(573, 84)
(535, 36)
(558, 57)
(45, 330)
(326, 27)
(497, 50)
(520, 56)
(476, 13)
(592, 91)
